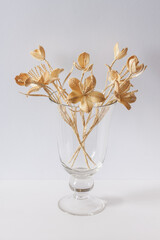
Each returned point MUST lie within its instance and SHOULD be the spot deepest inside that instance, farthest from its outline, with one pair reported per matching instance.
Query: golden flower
(84, 93)
(44, 79)
(119, 54)
(23, 79)
(113, 75)
(83, 62)
(134, 67)
(38, 53)
(122, 95)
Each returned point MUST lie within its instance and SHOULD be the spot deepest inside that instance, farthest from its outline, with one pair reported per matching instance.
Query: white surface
(28, 211)
(28, 148)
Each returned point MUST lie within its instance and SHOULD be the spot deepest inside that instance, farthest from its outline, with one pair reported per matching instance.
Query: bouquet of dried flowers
(83, 97)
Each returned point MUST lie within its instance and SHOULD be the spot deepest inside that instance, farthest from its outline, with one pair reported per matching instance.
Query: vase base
(81, 206)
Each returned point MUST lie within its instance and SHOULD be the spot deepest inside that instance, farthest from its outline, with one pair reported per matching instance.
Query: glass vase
(82, 145)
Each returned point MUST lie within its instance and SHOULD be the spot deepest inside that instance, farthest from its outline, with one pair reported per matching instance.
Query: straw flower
(122, 95)
(38, 53)
(119, 54)
(134, 67)
(113, 75)
(23, 79)
(45, 79)
(83, 62)
(83, 93)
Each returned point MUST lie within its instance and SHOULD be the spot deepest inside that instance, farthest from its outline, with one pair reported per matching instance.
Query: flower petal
(83, 59)
(116, 50)
(131, 63)
(55, 73)
(130, 97)
(122, 54)
(46, 77)
(74, 84)
(139, 72)
(28, 82)
(114, 75)
(126, 104)
(34, 89)
(125, 86)
(42, 51)
(95, 97)
(74, 97)
(77, 66)
(85, 105)
(89, 83)
(20, 79)
(38, 53)
(89, 68)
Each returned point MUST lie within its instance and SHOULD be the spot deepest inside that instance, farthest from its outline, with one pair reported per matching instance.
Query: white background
(28, 148)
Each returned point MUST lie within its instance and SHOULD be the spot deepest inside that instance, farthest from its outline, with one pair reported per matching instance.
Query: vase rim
(71, 106)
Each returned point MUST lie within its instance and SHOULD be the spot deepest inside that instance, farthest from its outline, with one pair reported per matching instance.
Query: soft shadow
(113, 201)
(147, 195)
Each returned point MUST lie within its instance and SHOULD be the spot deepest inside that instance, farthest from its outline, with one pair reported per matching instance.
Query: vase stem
(81, 202)
(81, 186)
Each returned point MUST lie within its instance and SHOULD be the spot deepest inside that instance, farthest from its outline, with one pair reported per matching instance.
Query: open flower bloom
(122, 95)
(38, 53)
(38, 82)
(83, 62)
(119, 54)
(45, 79)
(84, 93)
(134, 67)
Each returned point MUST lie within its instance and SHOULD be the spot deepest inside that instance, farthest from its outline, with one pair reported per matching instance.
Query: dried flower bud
(38, 53)
(119, 54)
(22, 78)
(134, 67)
(83, 60)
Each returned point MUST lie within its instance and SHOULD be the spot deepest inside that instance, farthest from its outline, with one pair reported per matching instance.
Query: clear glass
(82, 145)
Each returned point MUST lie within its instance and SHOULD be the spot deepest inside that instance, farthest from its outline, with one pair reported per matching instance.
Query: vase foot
(81, 206)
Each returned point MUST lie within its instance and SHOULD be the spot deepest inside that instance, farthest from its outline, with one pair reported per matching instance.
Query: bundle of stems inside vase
(82, 98)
